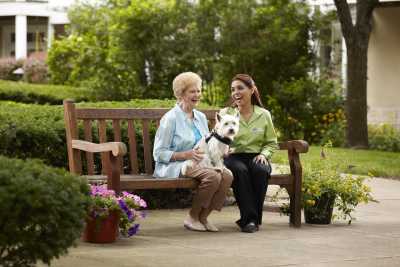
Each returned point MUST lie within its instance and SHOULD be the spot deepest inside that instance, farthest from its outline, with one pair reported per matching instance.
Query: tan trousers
(213, 187)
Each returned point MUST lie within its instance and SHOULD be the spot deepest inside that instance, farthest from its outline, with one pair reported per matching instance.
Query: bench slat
(117, 138)
(103, 139)
(132, 147)
(130, 182)
(147, 147)
(87, 128)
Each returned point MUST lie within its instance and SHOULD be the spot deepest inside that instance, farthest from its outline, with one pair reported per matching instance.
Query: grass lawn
(376, 163)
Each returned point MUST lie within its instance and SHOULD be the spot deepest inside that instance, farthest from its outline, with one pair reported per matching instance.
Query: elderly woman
(180, 129)
(253, 147)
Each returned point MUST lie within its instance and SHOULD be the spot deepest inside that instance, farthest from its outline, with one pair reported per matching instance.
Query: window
(30, 37)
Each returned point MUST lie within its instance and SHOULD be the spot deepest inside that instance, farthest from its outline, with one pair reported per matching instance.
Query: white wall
(384, 67)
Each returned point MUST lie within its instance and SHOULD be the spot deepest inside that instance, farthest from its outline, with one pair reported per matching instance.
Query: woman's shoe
(192, 225)
(210, 227)
(250, 228)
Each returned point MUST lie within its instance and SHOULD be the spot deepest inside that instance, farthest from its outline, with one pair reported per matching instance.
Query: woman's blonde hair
(184, 81)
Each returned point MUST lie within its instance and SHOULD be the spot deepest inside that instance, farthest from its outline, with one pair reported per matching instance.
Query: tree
(356, 36)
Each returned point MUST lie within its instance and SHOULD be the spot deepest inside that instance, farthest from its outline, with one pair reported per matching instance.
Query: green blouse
(255, 136)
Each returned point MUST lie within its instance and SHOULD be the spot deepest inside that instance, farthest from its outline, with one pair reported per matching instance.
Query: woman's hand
(260, 159)
(195, 154)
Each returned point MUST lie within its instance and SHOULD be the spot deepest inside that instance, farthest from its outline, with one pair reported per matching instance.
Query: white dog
(216, 145)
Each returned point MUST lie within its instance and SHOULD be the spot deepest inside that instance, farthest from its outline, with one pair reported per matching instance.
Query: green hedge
(40, 93)
(38, 131)
(42, 211)
(33, 131)
(384, 137)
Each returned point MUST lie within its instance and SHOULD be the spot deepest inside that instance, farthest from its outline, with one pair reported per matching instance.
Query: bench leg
(295, 197)
(113, 176)
(295, 208)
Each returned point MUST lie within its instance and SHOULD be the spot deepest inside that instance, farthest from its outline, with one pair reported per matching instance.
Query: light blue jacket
(175, 134)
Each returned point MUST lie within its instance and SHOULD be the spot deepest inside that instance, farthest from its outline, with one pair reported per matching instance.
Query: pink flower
(101, 190)
(142, 203)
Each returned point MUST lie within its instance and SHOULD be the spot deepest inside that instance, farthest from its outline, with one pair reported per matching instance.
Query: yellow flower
(310, 202)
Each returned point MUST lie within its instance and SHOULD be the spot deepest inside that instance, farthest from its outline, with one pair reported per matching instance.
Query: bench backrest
(131, 119)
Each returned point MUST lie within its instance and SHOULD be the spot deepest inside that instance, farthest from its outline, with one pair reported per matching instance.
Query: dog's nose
(231, 131)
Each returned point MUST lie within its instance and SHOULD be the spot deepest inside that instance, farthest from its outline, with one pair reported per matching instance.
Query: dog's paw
(184, 169)
(217, 169)
(186, 166)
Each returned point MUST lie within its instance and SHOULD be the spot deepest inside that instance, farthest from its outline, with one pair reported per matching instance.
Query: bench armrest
(117, 148)
(299, 146)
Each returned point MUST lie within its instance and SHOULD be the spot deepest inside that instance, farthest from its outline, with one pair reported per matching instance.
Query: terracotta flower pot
(105, 231)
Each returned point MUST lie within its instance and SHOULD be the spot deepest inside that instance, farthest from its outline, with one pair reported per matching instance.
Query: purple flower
(133, 230)
(125, 208)
(143, 214)
(105, 200)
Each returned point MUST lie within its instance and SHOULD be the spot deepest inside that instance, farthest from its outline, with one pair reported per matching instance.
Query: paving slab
(372, 240)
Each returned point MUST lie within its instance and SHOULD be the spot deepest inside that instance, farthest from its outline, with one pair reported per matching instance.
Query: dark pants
(250, 182)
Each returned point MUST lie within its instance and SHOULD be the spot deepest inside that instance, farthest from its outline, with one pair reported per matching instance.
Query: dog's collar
(224, 140)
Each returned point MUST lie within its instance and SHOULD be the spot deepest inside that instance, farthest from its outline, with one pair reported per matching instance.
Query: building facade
(383, 84)
(29, 26)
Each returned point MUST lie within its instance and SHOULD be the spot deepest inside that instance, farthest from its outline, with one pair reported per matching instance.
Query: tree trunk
(356, 100)
(357, 38)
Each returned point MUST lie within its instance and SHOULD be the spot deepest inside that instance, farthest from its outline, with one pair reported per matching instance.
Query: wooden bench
(113, 171)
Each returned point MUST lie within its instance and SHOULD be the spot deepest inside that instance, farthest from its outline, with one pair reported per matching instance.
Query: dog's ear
(217, 117)
(237, 115)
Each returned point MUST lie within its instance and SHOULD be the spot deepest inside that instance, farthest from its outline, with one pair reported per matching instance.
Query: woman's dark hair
(249, 82)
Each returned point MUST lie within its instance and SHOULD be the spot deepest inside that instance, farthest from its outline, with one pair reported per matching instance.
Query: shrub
(7, 66)
(300, 105)
(81, 61)
(35, 71)
(384, 137)
(62, 51)
(42, 210)
(40, 94)
(33, 131)
(331, 128)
